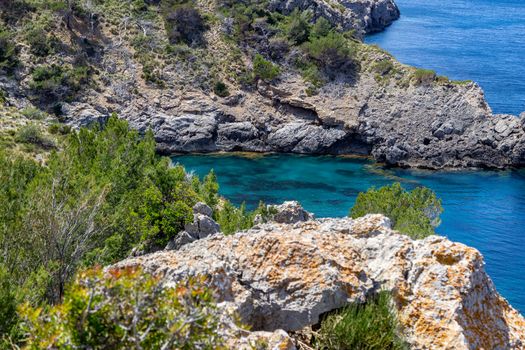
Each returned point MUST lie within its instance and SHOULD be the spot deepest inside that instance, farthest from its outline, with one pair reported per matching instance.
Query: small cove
(483, 209)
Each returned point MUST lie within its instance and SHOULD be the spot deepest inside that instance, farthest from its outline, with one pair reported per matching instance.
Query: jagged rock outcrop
(290, 213)
(363, 16)
(429, 125)
(287, 275)
(202, 226)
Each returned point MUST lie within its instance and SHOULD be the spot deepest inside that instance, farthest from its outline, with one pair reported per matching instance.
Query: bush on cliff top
(331, 50)
(126, 309)
(423, 76)
(415, 213)
(184, 23)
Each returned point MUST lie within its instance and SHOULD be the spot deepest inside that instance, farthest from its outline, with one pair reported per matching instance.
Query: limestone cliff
(371, 105)
(284, 276)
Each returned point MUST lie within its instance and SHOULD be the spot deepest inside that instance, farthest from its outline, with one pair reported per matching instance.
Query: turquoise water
(480, 40)
(482, 209)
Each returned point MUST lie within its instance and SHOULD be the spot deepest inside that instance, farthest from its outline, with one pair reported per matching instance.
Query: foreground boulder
(284, 276)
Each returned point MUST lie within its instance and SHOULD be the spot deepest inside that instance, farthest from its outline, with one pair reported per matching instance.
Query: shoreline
(369, 158)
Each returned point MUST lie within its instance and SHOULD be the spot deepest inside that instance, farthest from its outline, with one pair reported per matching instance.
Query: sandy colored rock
(284, 276)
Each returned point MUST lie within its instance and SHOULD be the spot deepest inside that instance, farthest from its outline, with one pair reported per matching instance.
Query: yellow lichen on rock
(285, 276)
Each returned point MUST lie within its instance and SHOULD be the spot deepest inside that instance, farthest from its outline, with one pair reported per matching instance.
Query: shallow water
(480, 40)
(483, 209)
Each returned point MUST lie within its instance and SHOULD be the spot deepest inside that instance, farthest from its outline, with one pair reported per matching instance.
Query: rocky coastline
(394, 116)
(372, 106)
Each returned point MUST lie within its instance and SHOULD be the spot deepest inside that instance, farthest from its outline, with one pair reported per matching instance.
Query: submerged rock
(284, 276)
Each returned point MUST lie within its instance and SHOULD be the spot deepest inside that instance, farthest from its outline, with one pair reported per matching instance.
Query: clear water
(480, 40)
(482, 209)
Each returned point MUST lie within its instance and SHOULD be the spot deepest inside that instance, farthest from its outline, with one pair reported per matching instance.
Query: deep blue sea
(480, 40)
(483, 209)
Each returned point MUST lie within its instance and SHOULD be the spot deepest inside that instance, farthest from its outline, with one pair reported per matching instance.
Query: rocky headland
(371, 105)
(280, 277)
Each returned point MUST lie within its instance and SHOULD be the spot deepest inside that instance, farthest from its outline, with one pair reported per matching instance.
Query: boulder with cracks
(285, 276)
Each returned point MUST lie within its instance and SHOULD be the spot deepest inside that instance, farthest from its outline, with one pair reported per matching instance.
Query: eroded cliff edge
(284, 276)
(369, 105)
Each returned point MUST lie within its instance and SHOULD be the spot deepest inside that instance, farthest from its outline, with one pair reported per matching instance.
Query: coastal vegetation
(372, 325)
(104, 193)
(101, 194)
(98, 195)
(414, 213)
(126, 309)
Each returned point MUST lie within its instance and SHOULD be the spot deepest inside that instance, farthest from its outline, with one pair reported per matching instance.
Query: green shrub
(264, 70)
(244, 13)
(312, 74)
(415, 213)
(8, 316)
(232, 219)
(8, 51)
(297, 26)
(184, 23)
(58, 81)
(423, 76)
(58, 128)
(220, 89)
(126, 309)
(156, 220)
(151, 72)
(33, 113)
(33, 135)
(321, 28)
(331, 51)
(371, 326)
(3, 96)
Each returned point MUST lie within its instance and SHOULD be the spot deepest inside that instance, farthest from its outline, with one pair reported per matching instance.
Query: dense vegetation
(103, 194)
(415, 213)
(369, 326)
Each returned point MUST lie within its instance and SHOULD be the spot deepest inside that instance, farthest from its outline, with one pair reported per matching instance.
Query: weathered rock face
(287, 275)
(364, 16)
(363, 110)
(202, 226)
(290, 213)
(433, 126)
